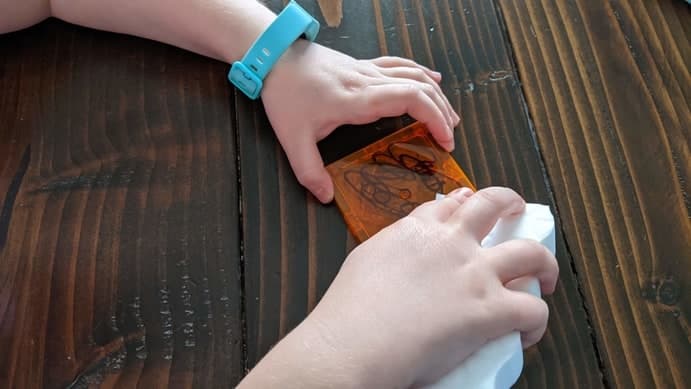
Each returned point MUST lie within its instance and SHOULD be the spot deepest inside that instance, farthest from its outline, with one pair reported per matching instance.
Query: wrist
(289, 63)
(249, 73)
(333, 355)
(359, 349)
(244, 28)
(305, 358)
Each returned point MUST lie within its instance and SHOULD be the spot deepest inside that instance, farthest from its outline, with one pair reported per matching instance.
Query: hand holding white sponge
(498, 364)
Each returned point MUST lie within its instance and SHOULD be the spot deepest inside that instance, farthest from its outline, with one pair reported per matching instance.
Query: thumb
(308, 167)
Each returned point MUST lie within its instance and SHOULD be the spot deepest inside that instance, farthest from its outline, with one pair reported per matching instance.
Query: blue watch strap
(292, 23)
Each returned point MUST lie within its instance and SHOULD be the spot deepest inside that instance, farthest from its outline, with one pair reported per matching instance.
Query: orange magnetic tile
(386, 180)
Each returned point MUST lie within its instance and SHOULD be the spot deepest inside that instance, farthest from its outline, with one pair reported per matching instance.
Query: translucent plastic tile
(386, 180)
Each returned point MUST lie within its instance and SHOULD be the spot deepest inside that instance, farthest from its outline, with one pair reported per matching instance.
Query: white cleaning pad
(499, 363)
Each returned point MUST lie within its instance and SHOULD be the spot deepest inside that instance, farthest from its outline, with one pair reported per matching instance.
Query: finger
(458, 196)
(525, 313)
(435, 210)
(308, 167)
(461, 194)
(482, 211)
(440, 210)
(426, 88)
(417, 74)
(523, 258)
(390, 62)
(387, 100)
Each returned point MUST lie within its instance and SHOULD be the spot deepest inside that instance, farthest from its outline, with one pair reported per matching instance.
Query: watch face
(386, 180)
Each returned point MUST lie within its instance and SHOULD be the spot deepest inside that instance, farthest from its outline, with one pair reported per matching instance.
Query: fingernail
(437, 75)
(453, 192)
(450, 142)
(324, 195)
(463, 191)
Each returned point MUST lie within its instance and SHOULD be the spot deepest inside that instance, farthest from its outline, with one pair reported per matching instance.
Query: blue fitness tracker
(292, 23)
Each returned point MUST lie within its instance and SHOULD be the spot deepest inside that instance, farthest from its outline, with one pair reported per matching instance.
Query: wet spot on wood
(669, 292)
(666, 291)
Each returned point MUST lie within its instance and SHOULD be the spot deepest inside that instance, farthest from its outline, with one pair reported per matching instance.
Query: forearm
(221, 29)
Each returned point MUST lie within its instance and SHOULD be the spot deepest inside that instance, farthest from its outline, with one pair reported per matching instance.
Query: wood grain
(14, 143)
(293, 247)
(121, 261)
(609, 90)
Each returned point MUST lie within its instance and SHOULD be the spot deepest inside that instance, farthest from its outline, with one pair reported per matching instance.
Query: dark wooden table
(152, 233)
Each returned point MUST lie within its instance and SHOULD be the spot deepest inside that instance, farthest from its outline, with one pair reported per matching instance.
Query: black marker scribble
(389, 180)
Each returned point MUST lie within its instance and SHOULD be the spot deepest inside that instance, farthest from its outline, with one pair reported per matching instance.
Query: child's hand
(312, 90)
(415, 300)
(412, 302)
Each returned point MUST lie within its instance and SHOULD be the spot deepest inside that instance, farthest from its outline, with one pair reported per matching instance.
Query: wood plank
(14, 143)
(609, 90)
(121, 263)
(293, 246)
